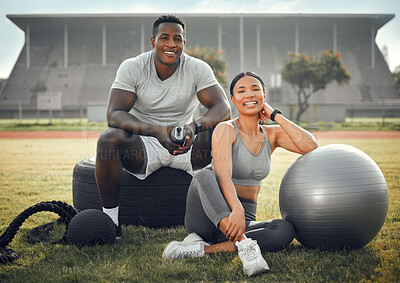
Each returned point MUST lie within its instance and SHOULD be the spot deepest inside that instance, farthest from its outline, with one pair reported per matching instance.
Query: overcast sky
(12, 38)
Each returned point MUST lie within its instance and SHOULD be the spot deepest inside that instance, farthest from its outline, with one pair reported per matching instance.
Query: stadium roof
(53, 20)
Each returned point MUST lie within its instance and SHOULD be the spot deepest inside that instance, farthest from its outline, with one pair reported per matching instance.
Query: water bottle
(178, 135)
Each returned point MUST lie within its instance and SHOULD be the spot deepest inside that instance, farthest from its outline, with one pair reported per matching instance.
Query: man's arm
(118, 116)
(214, 99)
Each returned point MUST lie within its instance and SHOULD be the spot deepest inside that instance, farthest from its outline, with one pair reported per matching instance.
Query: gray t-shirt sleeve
(126, 78)
(204, 76)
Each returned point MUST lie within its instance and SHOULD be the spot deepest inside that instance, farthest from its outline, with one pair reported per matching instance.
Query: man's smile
(170, 53)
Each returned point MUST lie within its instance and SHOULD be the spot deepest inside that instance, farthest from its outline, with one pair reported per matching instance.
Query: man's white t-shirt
(171, 102)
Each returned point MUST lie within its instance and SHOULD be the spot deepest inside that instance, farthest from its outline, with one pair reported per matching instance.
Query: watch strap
(276, 111)
(198, 127)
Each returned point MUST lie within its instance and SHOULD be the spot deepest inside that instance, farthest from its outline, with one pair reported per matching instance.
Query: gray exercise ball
(335, 196)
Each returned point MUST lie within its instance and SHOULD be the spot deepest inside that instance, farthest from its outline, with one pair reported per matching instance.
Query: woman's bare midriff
(247, 192)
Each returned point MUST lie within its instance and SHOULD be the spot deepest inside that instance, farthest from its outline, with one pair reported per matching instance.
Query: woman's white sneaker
(250, 254)
(191, 246)
(193, 237)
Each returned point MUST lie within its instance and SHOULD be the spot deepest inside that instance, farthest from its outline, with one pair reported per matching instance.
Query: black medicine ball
(91, 227)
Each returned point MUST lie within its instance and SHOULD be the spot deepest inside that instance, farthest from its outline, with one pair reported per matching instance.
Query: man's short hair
(167, 19)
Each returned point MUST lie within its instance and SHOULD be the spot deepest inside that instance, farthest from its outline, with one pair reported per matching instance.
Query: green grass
(371, 119)
(356, 124)
(37, 170)
(56, 125)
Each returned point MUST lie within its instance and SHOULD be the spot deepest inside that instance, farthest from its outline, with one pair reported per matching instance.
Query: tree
(307, 75)
(214, 58)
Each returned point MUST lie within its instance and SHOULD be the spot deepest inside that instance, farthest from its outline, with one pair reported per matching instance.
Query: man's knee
(114, 143)
(107, 145)
(113, 137)
(108, 138)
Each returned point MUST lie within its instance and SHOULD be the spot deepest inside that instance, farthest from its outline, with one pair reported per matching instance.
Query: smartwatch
(272, 116)
(198, 127)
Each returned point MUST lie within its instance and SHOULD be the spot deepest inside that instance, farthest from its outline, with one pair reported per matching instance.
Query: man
(152, 93)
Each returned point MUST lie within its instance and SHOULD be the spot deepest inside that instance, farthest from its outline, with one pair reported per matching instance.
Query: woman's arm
(223, 138)
(287, 134)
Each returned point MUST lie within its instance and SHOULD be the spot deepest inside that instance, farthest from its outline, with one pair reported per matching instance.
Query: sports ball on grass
(91, 227)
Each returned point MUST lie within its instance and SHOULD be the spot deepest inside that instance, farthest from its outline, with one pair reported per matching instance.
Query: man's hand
(189, 139)
(163, 136)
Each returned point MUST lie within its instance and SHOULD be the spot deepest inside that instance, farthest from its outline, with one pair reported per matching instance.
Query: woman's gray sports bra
(249, 169)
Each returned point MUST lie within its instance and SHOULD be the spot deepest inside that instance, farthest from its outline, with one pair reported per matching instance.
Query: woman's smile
(251, 104)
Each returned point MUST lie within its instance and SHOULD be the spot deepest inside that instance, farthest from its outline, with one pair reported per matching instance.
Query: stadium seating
(85, 79)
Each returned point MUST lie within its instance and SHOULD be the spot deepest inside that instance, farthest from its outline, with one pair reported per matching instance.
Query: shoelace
(185, 254)
(250, 252)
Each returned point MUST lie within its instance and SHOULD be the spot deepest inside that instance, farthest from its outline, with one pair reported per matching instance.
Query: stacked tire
(158, 201)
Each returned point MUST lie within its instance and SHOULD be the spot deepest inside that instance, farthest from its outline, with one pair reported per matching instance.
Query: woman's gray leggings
(206, 207)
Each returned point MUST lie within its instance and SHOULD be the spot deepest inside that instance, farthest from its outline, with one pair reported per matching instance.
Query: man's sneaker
(192, 246)
(119, 232)
(250, 254)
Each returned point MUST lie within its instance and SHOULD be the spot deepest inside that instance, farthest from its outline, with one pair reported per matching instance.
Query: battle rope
(40, 233)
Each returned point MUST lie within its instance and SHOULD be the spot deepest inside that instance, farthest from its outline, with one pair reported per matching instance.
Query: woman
(222, 200)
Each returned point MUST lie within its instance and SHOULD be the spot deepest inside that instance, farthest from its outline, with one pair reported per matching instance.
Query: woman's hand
(266, 112)
(236, 226)
(287, 134)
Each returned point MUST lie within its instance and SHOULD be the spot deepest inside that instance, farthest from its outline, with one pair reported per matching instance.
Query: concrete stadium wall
(97, 112)
(385, 109)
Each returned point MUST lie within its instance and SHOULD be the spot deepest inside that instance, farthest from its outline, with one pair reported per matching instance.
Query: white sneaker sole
(168, 249)
(256, 269)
